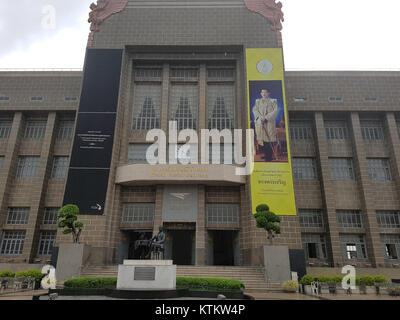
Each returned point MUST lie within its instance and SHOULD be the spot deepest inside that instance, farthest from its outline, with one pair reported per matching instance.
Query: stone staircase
(252, 277)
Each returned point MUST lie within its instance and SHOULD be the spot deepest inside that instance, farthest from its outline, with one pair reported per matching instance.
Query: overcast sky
(317, 34)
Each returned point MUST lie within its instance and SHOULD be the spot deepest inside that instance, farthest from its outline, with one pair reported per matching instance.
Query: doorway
(223, 248)
(179, 246)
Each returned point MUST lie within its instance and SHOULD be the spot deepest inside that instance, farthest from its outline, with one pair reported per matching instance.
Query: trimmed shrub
(307, 280)
(367, 281)
(36, 274)
(91, 283)
(209, 283)
(325, 279)
(290, 286)
(7, 274)
(337, 279)
(380, 279)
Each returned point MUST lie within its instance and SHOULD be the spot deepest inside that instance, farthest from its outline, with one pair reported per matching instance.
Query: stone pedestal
(277, 263)
(71, 258)
(146, 274)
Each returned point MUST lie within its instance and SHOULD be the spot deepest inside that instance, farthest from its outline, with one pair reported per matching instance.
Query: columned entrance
(180, 243)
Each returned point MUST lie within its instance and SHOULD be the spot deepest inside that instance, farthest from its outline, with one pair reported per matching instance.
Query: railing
(17, 284)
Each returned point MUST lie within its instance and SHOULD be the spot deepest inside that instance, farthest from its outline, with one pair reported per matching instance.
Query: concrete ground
(21, 295)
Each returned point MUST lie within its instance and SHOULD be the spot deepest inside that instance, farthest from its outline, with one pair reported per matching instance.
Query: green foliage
(290, 286)
(267, 220)
(337, 279)
(7, 274)
(91, 283)
(380, 279)
(367, 281)
(36, 274)
(307, 280)
(209, 283)
(68, 216)
(325, 279)
(393, 291)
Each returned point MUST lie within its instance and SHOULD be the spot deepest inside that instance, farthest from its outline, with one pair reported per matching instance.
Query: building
(177, 60)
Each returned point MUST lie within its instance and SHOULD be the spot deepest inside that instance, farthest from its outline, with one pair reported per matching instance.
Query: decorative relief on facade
(100, 12)
(270, 10)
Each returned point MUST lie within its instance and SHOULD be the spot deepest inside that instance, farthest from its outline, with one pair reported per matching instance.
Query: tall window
(17, 216)
(304, 169)
(137, 153)
(341, 168)
(391, 246)
(372, 130)
(60, 167)
(314, 246)
(147, 106)
(138, 212)
(184, 105)
(220, 98)
(311, 218)
(379, 169)
(50, 216)
(5, 128)
(336, 130)
(388, 219)
(65, 129)
(220, 149)
(28, 166)
(35, 129)
(12, 242)
(349, 218)
(353, 246)
(46, 242)
(301, 130)
(222, 213)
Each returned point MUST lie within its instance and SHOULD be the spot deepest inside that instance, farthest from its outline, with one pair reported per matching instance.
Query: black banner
(94, 134)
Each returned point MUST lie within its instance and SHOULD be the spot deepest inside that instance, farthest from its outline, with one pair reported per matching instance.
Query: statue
(155, 245)
(270, 10)
(101, 11)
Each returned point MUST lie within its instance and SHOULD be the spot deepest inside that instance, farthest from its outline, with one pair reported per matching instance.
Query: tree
(267, 220)
(68, 216)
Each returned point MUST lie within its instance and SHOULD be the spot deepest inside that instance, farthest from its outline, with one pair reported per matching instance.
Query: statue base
(146, 274)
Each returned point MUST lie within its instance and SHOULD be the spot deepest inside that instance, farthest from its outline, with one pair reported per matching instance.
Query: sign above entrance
(180, 203)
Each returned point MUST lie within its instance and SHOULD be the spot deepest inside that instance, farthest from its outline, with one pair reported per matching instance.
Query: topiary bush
(367, 281)
(290, 286)
(337, 279)
(209, 283)
(380, 279)
(325, 279)
(307, 280)
(91, 283)
(7, 274)
(34, 273)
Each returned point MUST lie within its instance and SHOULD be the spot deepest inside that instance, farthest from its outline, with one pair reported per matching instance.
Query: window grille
(353, 246)
(137, 153)
(5, 129)
(349, 218)
(341, 168)
(35, 129)
(12, 242)
(301, 130)
(379, 169)
(17, 216)
(311, 218)
(146, 106)
(28, 166)
(220, 73)
(138, 212)
(314, 246)
(184, 105)
(336, 130)
(50, 216)
(304, 169)
(372, 130)
(221, 106)
(65, 129)
(46, 242)
(60, 167)
(388, 219)
(222, 213)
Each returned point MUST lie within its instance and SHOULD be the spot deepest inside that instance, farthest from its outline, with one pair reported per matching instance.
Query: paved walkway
(279, 296)
(21, 295)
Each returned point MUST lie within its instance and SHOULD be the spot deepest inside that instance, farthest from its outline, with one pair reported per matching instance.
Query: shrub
(7, 274)
(325, 279)
(337, 279)
(380, 279)
(36, 274)
(367, 281)
(209, 283)
(91, 283)
(393, 291)
(290, 286)
(307, 280)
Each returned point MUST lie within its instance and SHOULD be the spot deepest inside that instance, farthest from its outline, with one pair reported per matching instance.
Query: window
(5, 129)
(46, 242)
(35, 129)
(301, 130)
(184, 105)
(65, 129)
(370, 99)
(349, 218)
(12, 242)
(138, 212)
(70, 99)
(304, 169)
(17, 216)
(147, 73)
(300, 99)
(341, 168)
(215, 149)
(335, 99)
(178, 73)
(4, 99)
(60, 167)
(36, 99)
(50, 216)
(310, 218)
(28, 166)
(183, 153)
(379, 169)
(146, 106)
(388, 219)
(137, 153)
(353, 246)
(314, 246)
(336, 130)
(222, 213)
(371, 130)
(220, 74)
(391, 246)
(220, 106)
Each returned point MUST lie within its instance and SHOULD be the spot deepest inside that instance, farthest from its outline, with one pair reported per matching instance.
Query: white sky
(317, 34)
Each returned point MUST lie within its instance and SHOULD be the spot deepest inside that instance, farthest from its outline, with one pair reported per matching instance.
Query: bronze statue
(155, 245)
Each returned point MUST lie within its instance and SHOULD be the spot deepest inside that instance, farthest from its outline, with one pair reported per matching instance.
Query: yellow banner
(271, 180)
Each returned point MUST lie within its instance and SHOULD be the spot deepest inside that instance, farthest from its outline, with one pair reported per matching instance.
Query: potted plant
(290, 286)
(306, 283)
(337, 280)
(367, 285)
(327, 284)
(268, 221)
(379, 281)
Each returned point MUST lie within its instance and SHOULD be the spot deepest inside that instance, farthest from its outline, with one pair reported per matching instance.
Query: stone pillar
(158, 209)
(328, 198)
(201, 232)
(394, 148)
(165, 99)
(367, 190)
